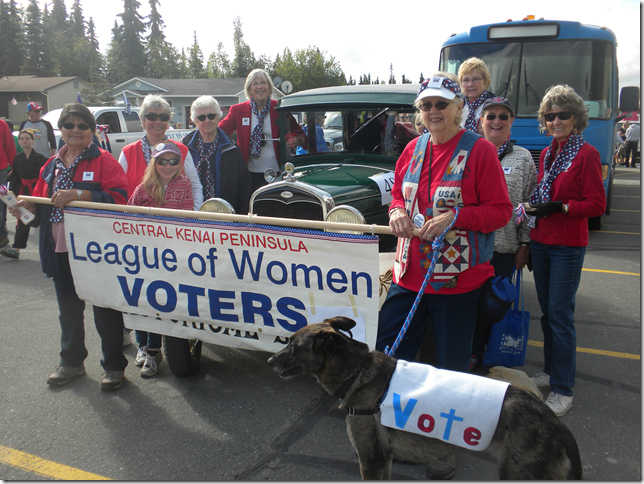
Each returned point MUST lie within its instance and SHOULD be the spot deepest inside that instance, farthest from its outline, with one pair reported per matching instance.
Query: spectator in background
(255, 122)
(7, 154)
(315, 119)
(45, 141)
(163, 185)
(630, 146)
(440, 182)
(22, 179)
(222, 171)
(568, 192)
(474, 78)
(61, 179)
(511, 243)
(135, 157)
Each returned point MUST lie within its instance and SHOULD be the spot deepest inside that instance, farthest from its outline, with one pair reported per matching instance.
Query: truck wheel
(183, 355)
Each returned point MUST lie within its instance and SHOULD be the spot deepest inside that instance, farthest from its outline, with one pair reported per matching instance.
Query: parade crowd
(227, 156)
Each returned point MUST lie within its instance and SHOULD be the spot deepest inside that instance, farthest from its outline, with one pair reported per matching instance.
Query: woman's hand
(15, 210)
(521, 257)
(436, 225)
(63, 197)
(401, 224)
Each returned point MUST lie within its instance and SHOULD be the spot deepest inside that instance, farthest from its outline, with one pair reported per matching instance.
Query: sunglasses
(502, 117)
(165, 161)
(202, 117)
(563, 115)
(440, 105)
(155, 116)
(81, 126)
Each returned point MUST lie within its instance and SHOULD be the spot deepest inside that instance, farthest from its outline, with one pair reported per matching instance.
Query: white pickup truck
(124, 128)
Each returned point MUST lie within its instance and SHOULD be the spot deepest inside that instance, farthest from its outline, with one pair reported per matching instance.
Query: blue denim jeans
(151, 340)
(109, 323)
(452, 319)
(557, 272)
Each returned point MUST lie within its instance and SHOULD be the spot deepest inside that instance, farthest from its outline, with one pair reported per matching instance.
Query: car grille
(300, 206)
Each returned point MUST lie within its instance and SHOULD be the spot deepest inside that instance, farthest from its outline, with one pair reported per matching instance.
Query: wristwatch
(564, 208)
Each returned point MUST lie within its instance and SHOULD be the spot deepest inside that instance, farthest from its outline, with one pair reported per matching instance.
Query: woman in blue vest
(435, 174)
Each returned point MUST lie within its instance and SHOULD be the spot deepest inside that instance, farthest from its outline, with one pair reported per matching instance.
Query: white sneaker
(559, 404)
(151, 364)
(541, 379)
(141, 354)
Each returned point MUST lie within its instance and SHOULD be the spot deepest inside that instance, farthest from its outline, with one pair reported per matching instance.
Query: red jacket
(239, 119)
(581, 187)
(7, 146)
(136, 163)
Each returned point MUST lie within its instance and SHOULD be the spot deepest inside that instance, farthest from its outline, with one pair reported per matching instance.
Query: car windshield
(523, 71)
(52, 117)
(377, 131)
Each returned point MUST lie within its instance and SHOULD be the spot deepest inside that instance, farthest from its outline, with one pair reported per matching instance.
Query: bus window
(583, 64)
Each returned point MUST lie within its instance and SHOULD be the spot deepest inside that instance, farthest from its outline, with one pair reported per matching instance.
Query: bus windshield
(523, 71)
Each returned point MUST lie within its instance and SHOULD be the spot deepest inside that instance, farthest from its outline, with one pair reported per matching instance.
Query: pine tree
(195, 65)
(96, 62)
(34, 51)
(219, 63)
(47, 63)
(156, 45)
(127, 54)
(244, 60)
(76, 20)
(11, 39)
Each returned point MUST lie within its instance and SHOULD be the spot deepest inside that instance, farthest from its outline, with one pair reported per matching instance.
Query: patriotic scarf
(258, 131)
(501, 150)
(64, 181)
(147, 149)
(208, 165)
(472, 121)
(552, 169)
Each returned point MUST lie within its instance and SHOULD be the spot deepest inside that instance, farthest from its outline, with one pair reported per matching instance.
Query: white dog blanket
(455, 407)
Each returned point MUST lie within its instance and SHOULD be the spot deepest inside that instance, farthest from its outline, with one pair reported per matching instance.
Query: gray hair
(255, 73)
(566, 98)
(203, 102)
(153, 101)
(457, 99)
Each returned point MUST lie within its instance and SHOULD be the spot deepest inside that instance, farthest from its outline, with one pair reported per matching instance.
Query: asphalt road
(237, 421)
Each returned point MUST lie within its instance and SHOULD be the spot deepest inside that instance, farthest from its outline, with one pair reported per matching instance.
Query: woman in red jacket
(256, 124)
(569, 190)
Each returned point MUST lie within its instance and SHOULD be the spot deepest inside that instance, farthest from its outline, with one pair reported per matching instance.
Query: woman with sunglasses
(163, 185)
(434, 175)
(256, 124)
(511, 242)
(222, 171)
(474, 79)
(78, 171)
(155, 118)
(569, 191)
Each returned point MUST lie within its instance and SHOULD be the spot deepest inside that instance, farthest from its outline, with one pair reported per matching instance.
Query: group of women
(451, 177)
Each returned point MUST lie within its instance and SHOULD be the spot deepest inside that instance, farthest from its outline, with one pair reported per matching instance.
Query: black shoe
(65, 374)
(112, 380)
(10, 252)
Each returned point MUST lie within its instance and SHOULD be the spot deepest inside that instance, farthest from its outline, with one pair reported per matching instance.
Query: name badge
(245, 121)
(88, 176)
(507, 170)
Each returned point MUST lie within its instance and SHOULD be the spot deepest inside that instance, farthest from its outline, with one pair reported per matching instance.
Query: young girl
(164, 185)
(22, 178)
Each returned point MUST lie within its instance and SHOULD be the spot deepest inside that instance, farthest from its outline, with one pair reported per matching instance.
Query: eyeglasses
(81, 126)
(156, 116)
(472, 79)
(166, 161)
(563, 115)
(210, 116)
(440, 105)
(502, 117)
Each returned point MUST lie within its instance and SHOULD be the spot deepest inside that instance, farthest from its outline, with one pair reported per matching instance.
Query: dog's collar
(356, 411)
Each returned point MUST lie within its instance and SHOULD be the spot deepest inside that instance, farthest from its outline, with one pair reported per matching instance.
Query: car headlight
(339, 146)
(216, 205)
(345, 214)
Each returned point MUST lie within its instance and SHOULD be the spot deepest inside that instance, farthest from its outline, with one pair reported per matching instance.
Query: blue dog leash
(437, 243)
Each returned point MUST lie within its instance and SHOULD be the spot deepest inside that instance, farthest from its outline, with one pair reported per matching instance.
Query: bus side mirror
(629, 99)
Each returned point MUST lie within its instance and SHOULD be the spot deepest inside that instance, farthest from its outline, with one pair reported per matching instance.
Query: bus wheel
(183, 355)
(594, 223)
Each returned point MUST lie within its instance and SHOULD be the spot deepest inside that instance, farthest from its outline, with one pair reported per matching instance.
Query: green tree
(96, 63)
(308, 68)
(244, 59)
(34, 51)
(11, 38)
(76, 20)
(157, 48)
(219, 66)
(47, 66)
(126, 57)
(195, 64)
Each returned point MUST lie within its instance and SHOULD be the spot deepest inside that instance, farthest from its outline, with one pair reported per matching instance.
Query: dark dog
(529, 442)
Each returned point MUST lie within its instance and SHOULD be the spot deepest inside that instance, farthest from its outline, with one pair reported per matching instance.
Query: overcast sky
(368, 36)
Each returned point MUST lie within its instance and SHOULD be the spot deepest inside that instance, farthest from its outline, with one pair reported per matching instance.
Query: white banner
(233, 284)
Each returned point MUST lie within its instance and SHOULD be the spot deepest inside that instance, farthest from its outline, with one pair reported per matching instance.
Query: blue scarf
(472, 121)
(551, 169)
(257, 134)
(64, 181)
